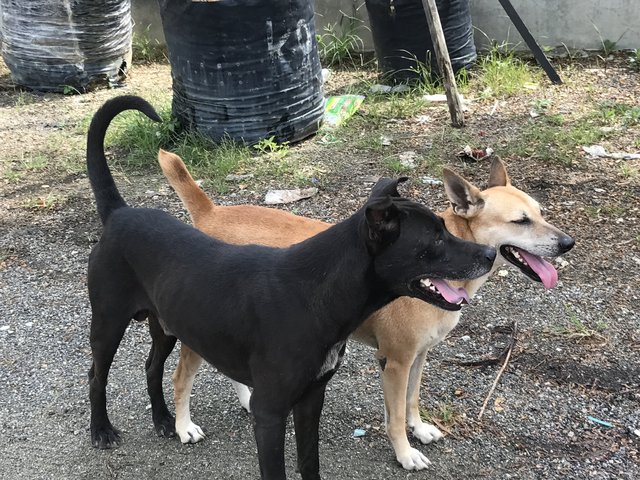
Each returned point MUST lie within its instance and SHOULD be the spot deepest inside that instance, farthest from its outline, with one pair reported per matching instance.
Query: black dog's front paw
(105, 437)
(165, 426)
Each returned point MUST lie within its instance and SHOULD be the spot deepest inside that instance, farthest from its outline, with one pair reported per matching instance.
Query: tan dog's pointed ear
(498, 176)
(465, 198)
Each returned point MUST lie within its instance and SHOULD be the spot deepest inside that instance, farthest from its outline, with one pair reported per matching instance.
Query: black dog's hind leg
(161, 348)
(306, 418)
(104, 344)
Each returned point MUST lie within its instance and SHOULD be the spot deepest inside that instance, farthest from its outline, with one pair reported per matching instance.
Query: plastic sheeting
(245, 69)
(401, 35)
(50, 45)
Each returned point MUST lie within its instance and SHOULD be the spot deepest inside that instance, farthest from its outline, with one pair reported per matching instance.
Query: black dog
(274, 319)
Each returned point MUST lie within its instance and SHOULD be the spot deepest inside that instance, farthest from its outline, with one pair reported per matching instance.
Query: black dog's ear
(383, 222)
(387, 186)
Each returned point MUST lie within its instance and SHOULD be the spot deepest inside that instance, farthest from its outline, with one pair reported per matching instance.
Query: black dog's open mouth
(533, 266)
(439, 293)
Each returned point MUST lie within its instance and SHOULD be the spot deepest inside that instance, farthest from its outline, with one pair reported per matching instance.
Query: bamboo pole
(444, 62)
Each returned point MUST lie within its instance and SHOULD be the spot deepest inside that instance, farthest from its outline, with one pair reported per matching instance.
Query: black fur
(265, 317)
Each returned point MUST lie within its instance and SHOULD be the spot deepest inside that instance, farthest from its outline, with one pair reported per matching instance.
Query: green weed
(579, 330)
(339, 44)
(43, 203)
(627, 171)
(500, 73)
(445, 414)
(612, 113)
(146, 50)
(271, 147)
(634, 59)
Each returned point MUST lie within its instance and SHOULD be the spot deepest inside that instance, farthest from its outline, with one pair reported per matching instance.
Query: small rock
(465, 338)
(430, 180)
(359, 432)
(4, 328)
(275, 197)
(408, 159)
(380, 88)
(238, 178)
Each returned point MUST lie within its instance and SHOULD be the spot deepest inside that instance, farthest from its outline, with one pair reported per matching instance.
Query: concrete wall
(574, 23)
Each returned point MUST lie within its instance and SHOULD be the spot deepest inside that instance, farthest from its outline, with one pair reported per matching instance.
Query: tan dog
(404, 331)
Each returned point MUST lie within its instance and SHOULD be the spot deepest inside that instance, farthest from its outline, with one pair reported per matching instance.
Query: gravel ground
(576, 353)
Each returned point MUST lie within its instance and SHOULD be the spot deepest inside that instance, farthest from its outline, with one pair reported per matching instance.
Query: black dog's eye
(522, 221)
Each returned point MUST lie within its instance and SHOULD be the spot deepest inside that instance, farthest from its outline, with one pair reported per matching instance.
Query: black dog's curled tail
(104, 188)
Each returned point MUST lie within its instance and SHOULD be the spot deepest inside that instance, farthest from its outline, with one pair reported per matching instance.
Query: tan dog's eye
(522, 221)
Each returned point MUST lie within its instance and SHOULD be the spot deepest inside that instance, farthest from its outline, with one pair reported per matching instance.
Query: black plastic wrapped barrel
(244, 69)
(50, 45)
(401, 35)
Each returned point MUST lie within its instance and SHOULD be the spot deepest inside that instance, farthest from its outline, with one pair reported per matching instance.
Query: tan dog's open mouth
(533, 266)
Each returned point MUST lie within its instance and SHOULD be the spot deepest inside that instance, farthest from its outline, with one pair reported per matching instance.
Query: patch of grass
(577, 329)
(444, 414)
(44, 203)
(379, 109)
(609, 46)
(634, 59)
(501, 73)
(209, 160)
(141, 138)
(339, 44)
(70, 90)
(554, 138)
(606, 210)
(12, 175)
(614, 113)
(627, 171)
(147, 50)
(271, 146)
(37, 161)
(395, 166)
(540, 105)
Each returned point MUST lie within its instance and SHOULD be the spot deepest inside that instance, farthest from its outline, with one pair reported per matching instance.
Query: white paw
(244, 395)
(426, 433)
(192, 433)
(413, 460)
(245, 400)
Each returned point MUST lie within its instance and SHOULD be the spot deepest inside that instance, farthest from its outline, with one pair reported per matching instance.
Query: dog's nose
(566, 243)
(490, 253)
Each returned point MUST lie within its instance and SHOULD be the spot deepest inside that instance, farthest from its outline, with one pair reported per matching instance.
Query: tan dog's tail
(194, 199)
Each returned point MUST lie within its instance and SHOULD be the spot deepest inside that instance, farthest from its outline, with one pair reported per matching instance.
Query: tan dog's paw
(192, 433)
(426, 433)
(413, 460)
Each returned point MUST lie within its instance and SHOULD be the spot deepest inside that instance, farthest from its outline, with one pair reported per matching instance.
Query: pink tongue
(547, 273)
(450, 294)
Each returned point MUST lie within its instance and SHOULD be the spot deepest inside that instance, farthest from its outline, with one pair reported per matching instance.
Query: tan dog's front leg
(395, 377)
(425, 432)
(183, 377)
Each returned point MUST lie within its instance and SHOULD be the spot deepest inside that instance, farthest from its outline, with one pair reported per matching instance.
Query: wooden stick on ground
(495, 382)
(444, 62)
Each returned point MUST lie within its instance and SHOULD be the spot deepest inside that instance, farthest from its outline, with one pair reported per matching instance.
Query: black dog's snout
(490, 254)
(566, 243)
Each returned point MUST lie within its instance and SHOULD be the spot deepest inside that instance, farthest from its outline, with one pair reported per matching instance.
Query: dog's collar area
(533, 266)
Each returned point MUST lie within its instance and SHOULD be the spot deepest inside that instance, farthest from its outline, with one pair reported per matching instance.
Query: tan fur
(402, 332)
